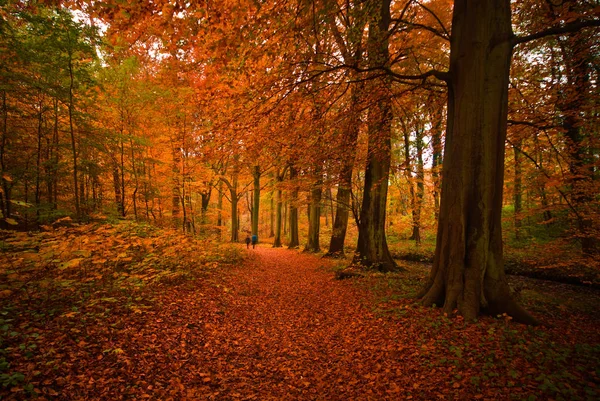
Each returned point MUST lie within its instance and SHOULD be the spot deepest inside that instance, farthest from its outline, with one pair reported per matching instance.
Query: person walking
(254, 240)
(247, 241)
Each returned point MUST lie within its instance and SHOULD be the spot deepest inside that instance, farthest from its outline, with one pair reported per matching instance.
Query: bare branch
(556, 30)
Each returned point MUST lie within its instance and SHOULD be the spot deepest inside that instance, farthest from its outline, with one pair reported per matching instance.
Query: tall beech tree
(468, 270)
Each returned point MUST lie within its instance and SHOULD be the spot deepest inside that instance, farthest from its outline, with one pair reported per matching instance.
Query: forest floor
(110, 313)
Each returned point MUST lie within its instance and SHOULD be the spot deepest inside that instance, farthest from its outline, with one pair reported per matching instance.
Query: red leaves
(277, 327)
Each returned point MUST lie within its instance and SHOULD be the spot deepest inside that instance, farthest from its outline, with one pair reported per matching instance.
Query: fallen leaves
(170, 324)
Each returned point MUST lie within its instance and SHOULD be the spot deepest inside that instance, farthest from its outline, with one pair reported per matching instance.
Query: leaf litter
(146, 313)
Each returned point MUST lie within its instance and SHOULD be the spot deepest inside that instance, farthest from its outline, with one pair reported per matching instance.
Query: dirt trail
(293, 332)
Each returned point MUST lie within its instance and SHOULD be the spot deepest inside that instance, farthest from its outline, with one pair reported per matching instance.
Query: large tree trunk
(468, 269)
(372, 249)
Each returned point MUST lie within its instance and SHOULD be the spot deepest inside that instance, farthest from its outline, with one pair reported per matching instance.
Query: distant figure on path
(254, 240)
(247, 241)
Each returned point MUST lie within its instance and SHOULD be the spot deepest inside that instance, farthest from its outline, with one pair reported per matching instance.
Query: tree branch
(556, 30)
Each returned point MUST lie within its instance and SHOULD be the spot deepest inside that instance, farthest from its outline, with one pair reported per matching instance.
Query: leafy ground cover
(134, 312)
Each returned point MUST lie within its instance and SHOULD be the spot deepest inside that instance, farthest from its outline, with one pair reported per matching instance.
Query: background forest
(234, 117)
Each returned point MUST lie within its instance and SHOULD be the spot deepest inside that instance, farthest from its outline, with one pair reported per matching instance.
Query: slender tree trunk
(293, 214)
(272, 217)
(418, 204)
(38, 161)
(285, 218)
(278, 218)
(314, 211)
(233, 190)
(73, 141)
(176, 186)
(5, 193)
(518, 188)
(372, 249)
(55, 158)
(256, 199)
(436, 143)
(205, 200)
(220, 205)
(117, 188)
(411, 186)
(342, 211)
(468, 269)
(135, 177)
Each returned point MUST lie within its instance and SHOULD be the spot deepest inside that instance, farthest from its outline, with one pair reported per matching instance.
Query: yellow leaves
(5, 294)
(70, 264)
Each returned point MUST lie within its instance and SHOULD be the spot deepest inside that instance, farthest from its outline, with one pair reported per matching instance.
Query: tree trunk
(220, 205)
(468, 269)
(314, 211)
(293, 214)
(5, 193)
(204, 202)
(278, 211)
(416, 234)
(372, 249)
(135, 176)
(272, 217)
(233, 193)
(410, 181)
(38, 162)
(342, 211)
(255, 199)
(117, 187)
(436, 144)
(176, 186)
(518, 188)
(73, 141)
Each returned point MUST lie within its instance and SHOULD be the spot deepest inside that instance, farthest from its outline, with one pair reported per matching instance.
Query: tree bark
(5, 193)
(314, 212)
(71, 107)
(518, 189)
(293, 214)
(278, 211)
(372, 250)
(255, 199)
(468, 269)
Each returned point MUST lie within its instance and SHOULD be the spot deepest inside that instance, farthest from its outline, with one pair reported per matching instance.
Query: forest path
(290, 331)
